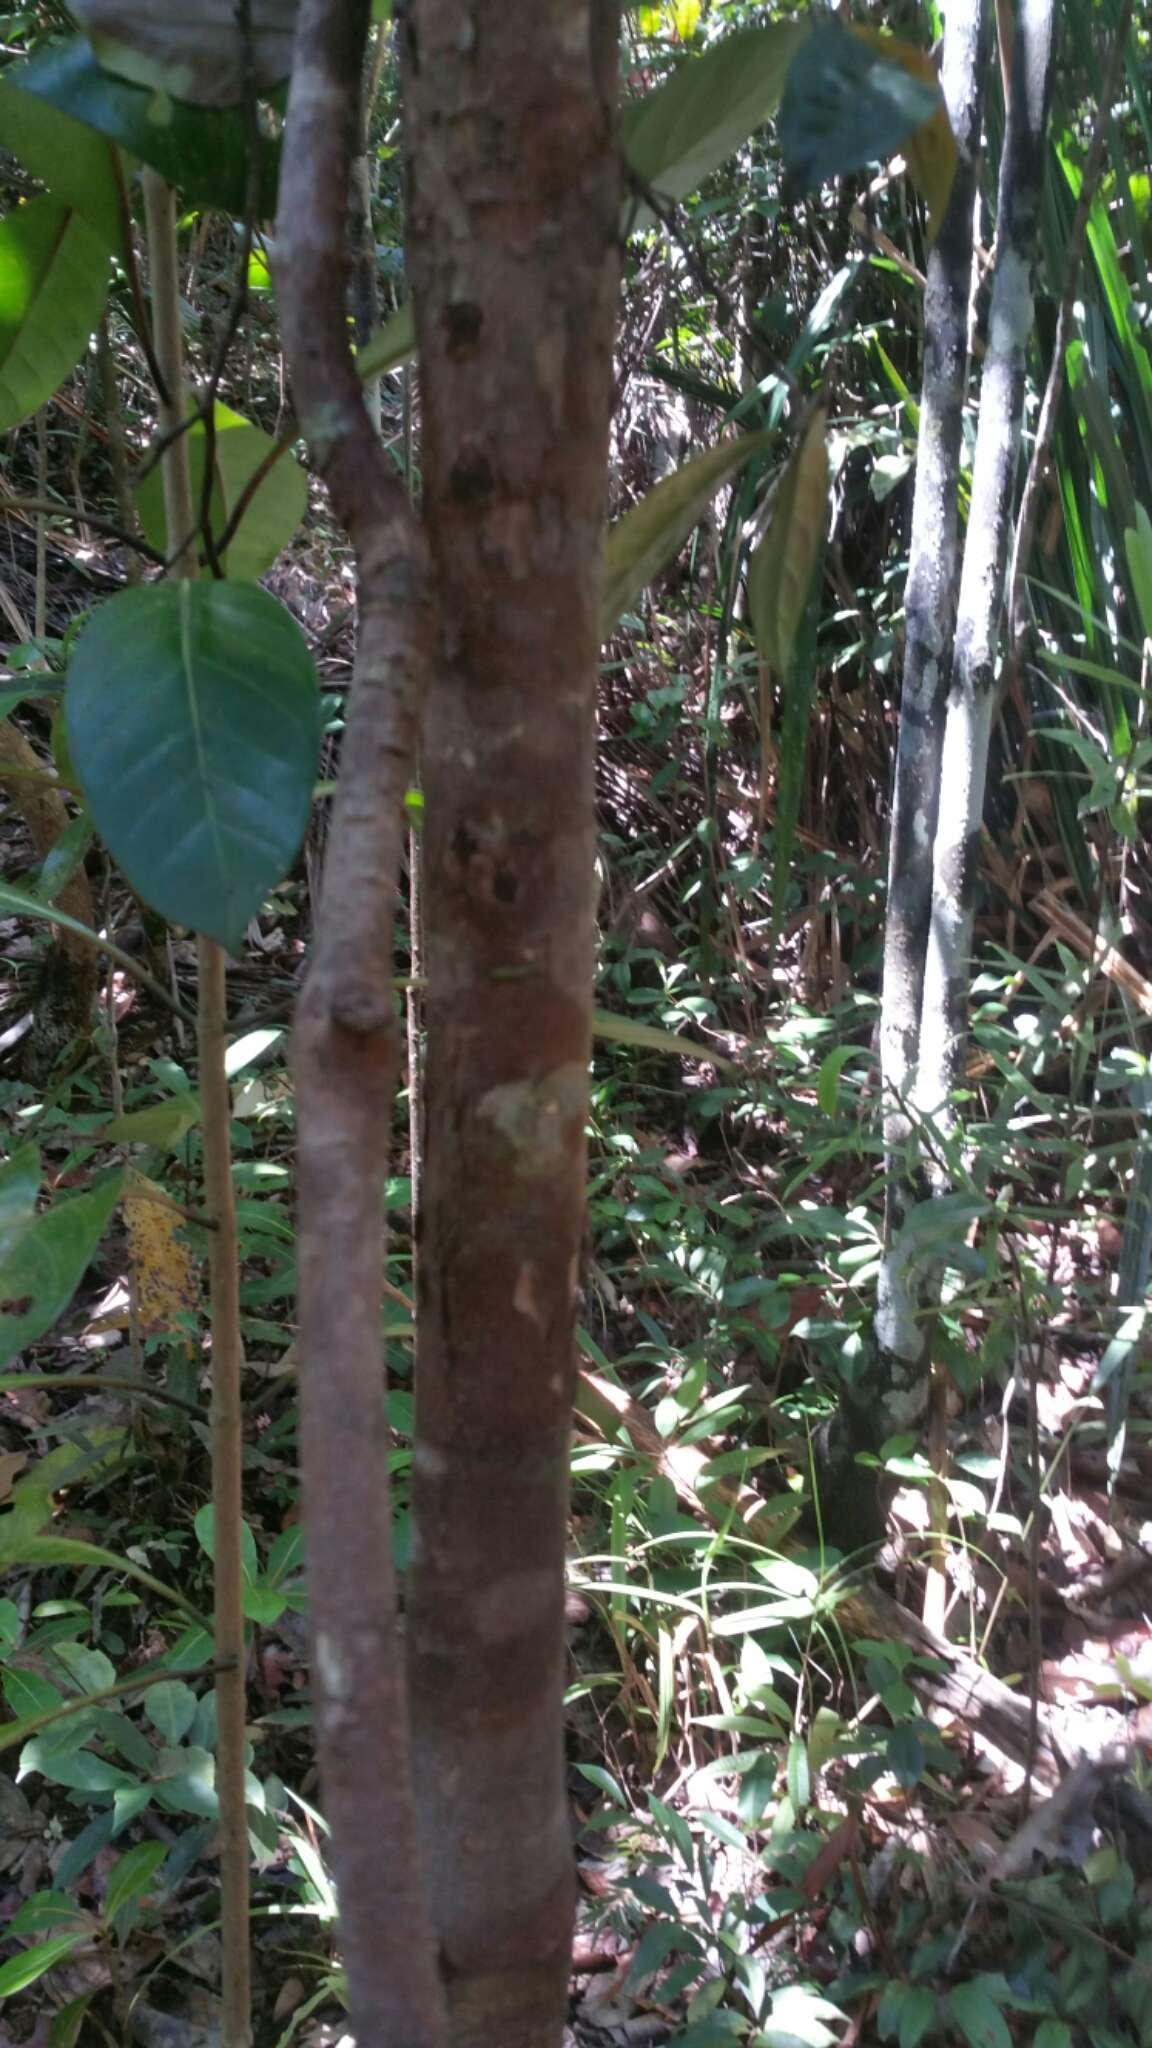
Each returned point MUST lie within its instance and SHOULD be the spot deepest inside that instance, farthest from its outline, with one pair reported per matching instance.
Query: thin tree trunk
(964, 762)
(930, 608)
(347, 1058)
(513, 223)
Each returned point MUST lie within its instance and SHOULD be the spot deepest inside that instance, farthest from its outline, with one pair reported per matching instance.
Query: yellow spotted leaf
(931, 152)
(163, 1266)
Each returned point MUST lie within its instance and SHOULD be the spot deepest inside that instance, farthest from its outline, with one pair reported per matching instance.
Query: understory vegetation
(854, 1515)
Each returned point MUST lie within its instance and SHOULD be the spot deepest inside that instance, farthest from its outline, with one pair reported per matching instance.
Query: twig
(111, 527)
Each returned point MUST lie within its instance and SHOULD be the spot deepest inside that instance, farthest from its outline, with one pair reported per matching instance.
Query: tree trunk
(929, 611)
(347, 1056)
(513, 225)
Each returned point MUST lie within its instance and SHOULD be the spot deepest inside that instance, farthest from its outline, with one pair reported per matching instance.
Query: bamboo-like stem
(223, 1254)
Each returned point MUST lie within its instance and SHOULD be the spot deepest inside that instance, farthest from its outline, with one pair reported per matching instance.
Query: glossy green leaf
(46, 1263)
(690, 125)
(80, 1769)
(844, 105)
(64, 860)
(66, 2025)
(194, 51)
(653, 531)
(203, 152)
(132, 1876)
(69, 157)
(391, 345)
(194, 723)
(22, 1970)
(273, 514)
(53, 283)
(19, 1187)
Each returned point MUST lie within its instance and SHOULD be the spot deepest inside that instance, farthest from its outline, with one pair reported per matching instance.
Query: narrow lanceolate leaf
(781, 571)
(844, 106)
(53, 282)
(45, 1262)
(690, 125)
(930, 150)
(202, 151)
(194, 724)
(195, 51)
(652, 533)
(1138, 547)
(276, 507)
(616, 1030)
(391, 345)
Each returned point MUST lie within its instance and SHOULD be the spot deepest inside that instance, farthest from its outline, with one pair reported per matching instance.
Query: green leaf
(171, 1708)
(264, 1604)
(19, 1187)
(131, 1877)
(20, 1971)
(798, 1774)
(690, 125)
(46, 1264)
(1049, 2034)
(391, 345)
(828, 1078)
(783, 568)
(917, 2014)
(205, 1527)
(53, 283)
(163, 1124)
(65, 154)
(193, 51)
(64, 2030)
(273, 513)
(61, 861)
(844, 106)
(203, 152)
(978, 2016)
(79, 1769)
(619, 1030)
(46, 1910)
(1138, 545)
(653, 531)
(194, 723)
(91, 1670)
(904, 1754)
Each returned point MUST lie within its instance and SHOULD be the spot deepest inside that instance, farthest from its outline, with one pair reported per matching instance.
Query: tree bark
(929, 609)
(964, 761)
(347, 1056)
(513, 220)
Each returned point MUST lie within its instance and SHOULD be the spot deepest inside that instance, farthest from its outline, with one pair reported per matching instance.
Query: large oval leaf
(44, 1264)
(71, 159)
(276, 508)
(690, 125)
(202, 152)
(845, 105)
(194, 723)
(53, 281)
(653, 530)
(194, 51)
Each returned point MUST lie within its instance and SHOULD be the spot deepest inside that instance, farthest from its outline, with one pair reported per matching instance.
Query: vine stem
(219, 1200)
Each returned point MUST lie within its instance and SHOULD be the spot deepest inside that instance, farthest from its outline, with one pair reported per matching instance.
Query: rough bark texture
(514, 204)
(930, 607)
(347, 1052)
(964, 761)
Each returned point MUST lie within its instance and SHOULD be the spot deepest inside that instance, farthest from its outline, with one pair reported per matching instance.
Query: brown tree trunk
(513, 222)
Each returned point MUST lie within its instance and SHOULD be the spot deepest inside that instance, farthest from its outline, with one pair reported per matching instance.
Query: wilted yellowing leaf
(162, 1262)
(931, 152)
